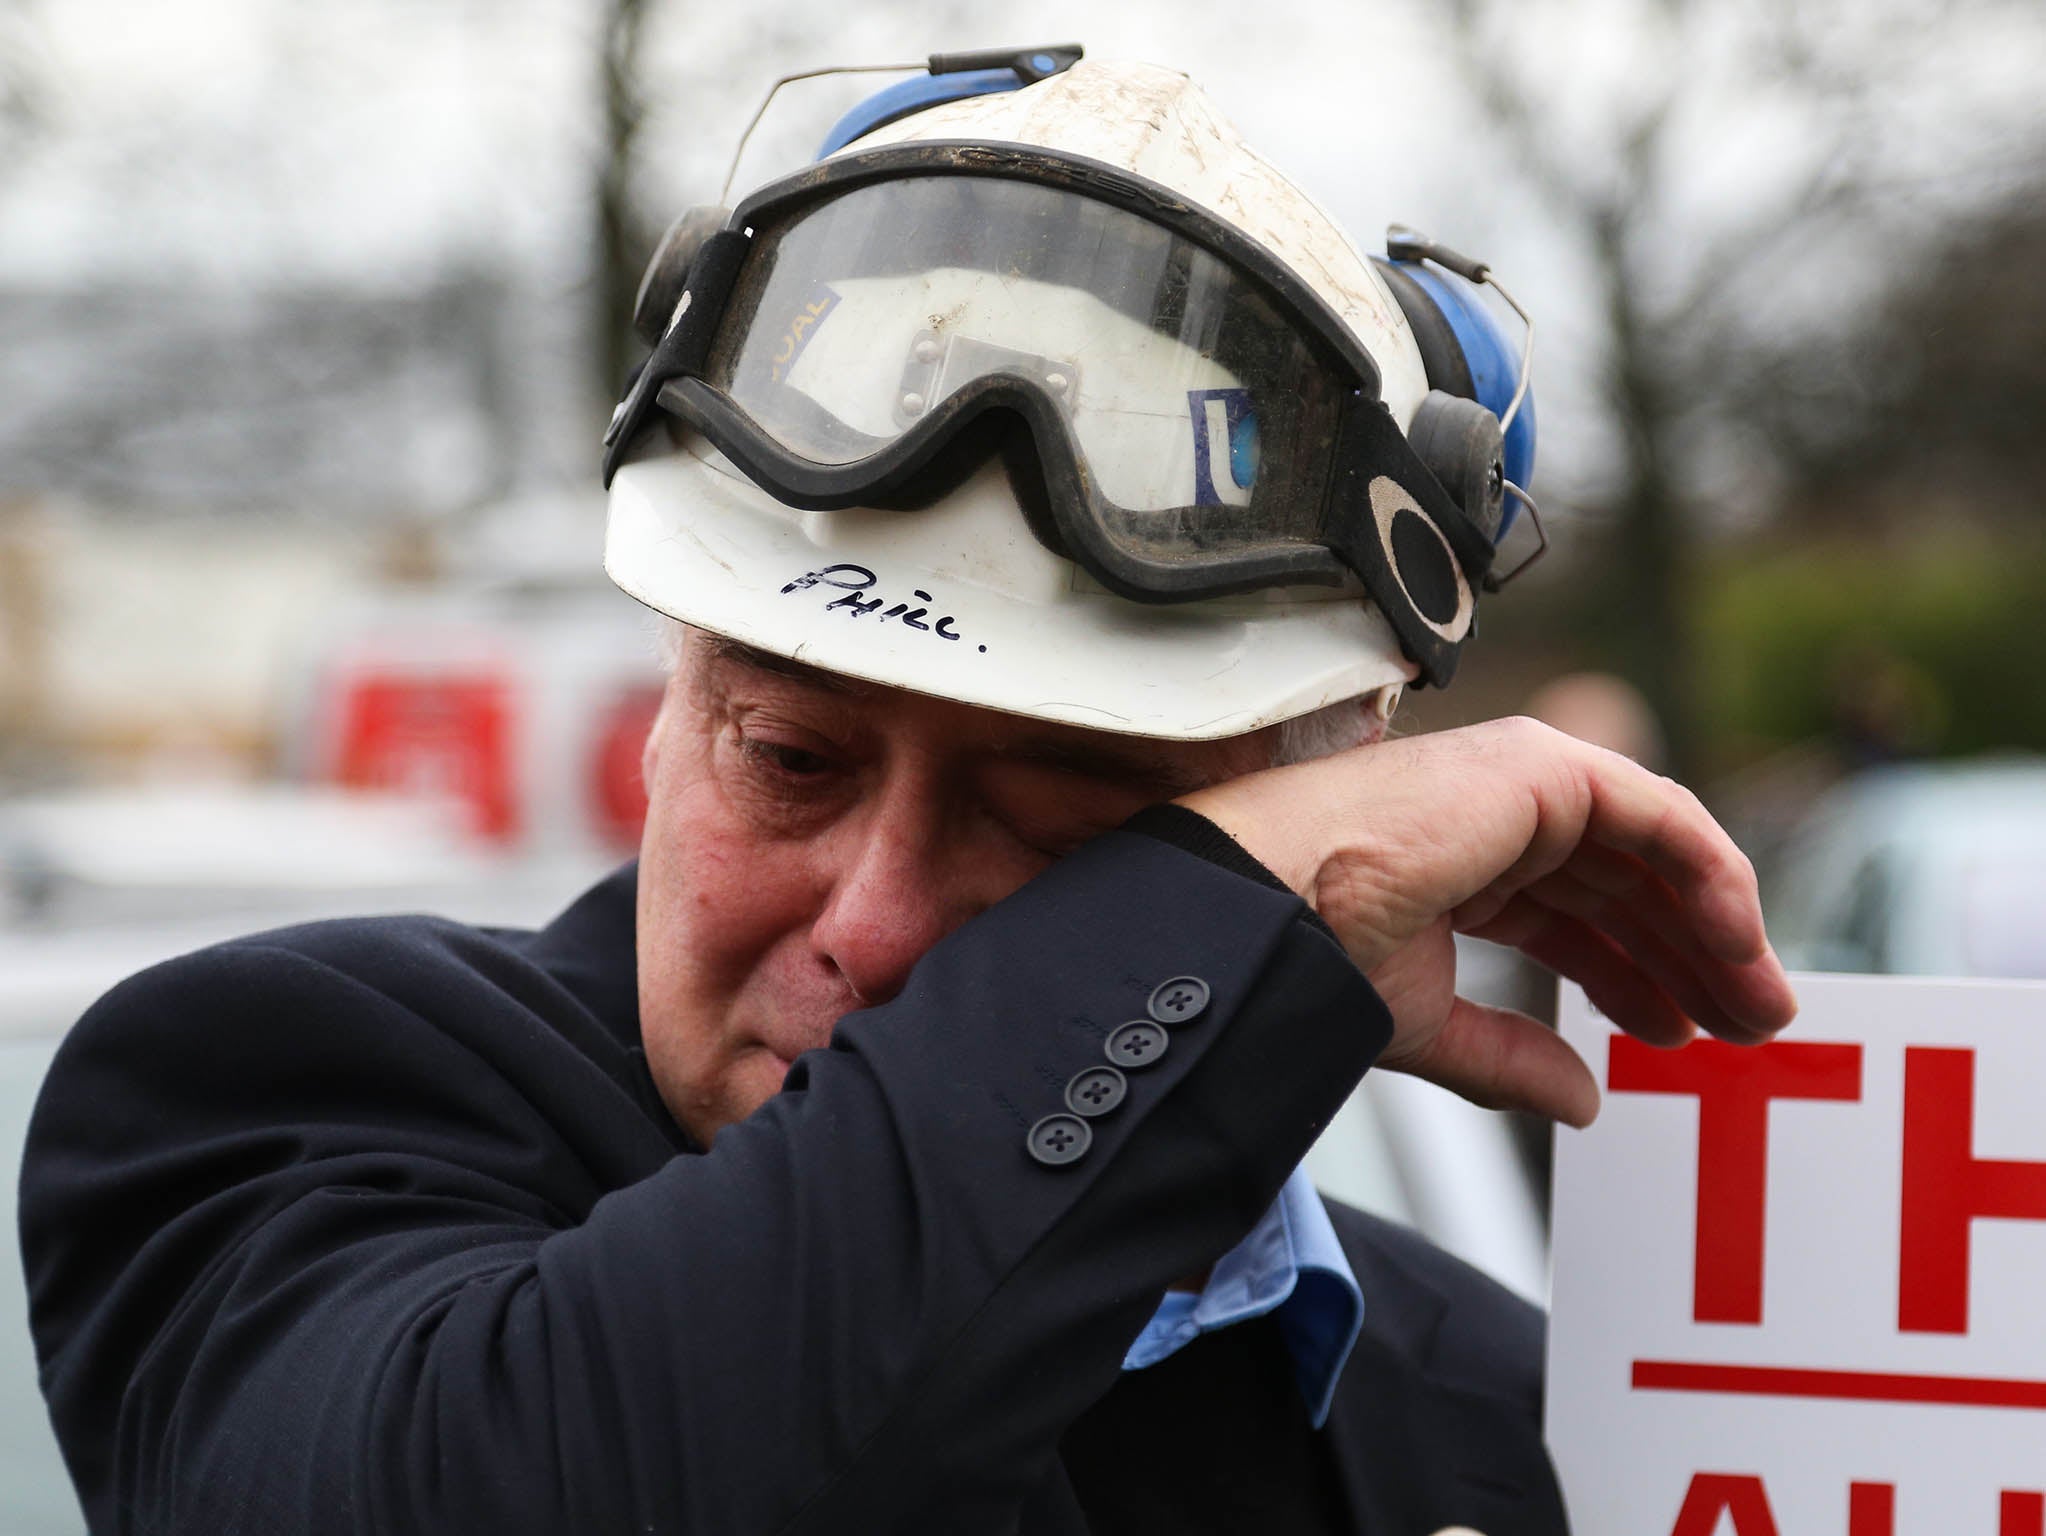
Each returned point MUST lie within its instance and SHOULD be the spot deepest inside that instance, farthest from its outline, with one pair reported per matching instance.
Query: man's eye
(794, 762)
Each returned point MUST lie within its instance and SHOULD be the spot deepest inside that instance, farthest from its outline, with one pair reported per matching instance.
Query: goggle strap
(1370, 446)
(685, 346)
(1385, 445)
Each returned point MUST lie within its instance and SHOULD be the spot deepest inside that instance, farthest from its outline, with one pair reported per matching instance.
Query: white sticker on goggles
(1129, 391)
(1224, 446)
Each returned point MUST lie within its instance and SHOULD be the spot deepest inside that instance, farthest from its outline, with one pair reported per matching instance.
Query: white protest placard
(1800, 1290)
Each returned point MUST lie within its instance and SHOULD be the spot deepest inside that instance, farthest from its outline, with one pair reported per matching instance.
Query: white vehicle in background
(1929, 869)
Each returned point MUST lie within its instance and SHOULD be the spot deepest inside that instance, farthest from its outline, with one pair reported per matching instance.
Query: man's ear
(675, 640)
(1379, 705)
(650, 749)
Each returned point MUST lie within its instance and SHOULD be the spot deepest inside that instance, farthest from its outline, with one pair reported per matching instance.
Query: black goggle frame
(1422, 575)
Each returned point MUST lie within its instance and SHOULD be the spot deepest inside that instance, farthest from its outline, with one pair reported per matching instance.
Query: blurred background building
(311, 317)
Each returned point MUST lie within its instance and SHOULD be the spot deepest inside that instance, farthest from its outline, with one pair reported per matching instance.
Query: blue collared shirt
(1291, 1263)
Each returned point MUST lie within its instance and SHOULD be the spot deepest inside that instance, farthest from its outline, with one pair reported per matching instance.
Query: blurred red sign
(441, 735)
(617, 788)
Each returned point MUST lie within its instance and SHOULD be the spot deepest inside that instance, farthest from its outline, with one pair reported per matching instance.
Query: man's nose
(901, 884)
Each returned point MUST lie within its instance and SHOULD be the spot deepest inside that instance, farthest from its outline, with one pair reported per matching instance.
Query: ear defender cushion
(1459, 441)
(1441, 353)
(1466, 352)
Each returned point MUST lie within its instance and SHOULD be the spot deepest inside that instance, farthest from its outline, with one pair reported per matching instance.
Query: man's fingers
(1666, 826)
(1601, 873)
(1647, 931)
(1502, 1060)
(1735, 1002)
(1617, 987)
(1587, 796)
(1638, 855)
(1745, 1004)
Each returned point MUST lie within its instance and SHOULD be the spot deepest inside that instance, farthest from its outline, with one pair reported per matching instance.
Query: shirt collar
(1292, 1264)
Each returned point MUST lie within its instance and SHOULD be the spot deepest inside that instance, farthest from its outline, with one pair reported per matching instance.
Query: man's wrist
(1188, 830)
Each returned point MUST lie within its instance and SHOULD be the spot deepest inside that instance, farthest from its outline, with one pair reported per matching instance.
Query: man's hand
(1602, 871)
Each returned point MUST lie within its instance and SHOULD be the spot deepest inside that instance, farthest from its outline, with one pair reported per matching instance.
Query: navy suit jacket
(381, 1226)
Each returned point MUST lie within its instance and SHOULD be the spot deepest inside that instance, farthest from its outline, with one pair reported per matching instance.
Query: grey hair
(1337, 727)
(670, 635)
(1333, 728)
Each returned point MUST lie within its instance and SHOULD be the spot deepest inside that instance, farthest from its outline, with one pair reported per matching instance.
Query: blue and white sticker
(797, 332)
(1225, 446)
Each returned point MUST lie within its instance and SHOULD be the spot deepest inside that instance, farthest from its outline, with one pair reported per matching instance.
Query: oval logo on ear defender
(1421, 561)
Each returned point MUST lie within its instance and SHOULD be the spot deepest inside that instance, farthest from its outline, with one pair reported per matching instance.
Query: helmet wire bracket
(1029, 65)
(1494, 580)
(739, 149)
(1404, 244)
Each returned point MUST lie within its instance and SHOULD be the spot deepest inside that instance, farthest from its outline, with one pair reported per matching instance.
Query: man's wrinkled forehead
(711, 651)
(1163, 768)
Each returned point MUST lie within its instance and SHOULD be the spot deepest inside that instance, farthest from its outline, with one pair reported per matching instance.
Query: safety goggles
(1178, 412)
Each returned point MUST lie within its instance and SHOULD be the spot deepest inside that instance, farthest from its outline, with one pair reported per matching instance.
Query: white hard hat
(1061, 402)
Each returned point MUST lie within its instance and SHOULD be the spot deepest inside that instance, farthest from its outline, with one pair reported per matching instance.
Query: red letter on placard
(1734, 1085)
(1945, 1187)
(1871, 1509)
(2024, 1514)
(1713, 1494)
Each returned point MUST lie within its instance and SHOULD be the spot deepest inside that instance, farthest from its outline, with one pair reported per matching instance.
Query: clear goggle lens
(1205, 421)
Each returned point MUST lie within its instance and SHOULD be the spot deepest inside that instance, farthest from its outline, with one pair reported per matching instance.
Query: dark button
(1136, 1044)
(1096, 1091)
(1178, 1001)
(1059, 1139)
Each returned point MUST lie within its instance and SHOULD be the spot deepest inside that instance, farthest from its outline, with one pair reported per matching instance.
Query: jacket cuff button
(1059, 1139)
(1096, 1091)
(1180, 1000)
(1139, 1043)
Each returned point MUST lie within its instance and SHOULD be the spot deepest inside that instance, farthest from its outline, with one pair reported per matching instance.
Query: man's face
(808, 838)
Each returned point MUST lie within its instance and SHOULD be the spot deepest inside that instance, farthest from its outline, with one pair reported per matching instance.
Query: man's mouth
(785, 1050)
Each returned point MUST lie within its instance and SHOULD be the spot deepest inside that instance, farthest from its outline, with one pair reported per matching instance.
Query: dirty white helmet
(1063, 402)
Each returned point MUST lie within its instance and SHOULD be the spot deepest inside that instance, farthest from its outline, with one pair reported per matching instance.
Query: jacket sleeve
(307, 1255)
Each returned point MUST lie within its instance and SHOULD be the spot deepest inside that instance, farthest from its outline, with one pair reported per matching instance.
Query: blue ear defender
(1470, 362)
(952, 77)
(1490, 363)
(906, 98)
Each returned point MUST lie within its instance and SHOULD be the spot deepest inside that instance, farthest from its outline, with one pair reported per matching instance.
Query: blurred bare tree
(22, 665)
(1932, 409)
(624, 234)
(20, 93)
(1902, 615)
(1855, 124)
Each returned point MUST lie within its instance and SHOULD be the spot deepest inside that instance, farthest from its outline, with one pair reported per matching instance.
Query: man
(908, 1144)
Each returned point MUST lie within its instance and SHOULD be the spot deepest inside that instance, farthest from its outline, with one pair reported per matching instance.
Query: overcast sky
(228, 137)
(376, 142)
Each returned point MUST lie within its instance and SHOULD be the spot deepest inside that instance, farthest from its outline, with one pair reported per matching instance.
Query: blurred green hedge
(1941, 640)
